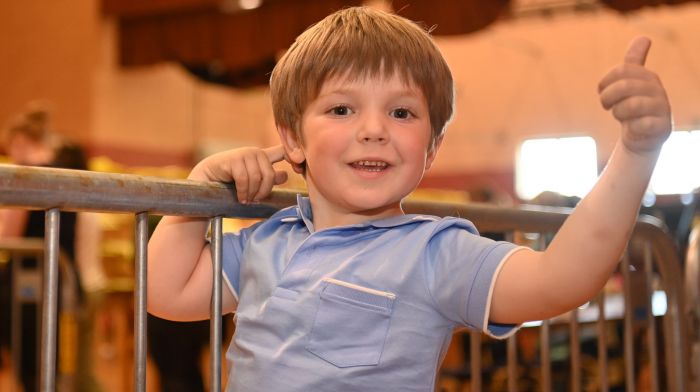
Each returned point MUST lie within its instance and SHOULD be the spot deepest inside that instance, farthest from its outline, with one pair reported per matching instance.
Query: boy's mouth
(374, 166)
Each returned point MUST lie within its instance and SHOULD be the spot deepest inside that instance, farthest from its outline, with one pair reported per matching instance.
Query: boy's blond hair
(361, 42)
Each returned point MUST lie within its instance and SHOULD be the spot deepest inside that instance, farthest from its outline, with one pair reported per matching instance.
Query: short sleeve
(233, 245)
(461, 270)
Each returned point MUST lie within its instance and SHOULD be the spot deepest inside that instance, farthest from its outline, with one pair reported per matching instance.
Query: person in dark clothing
(176, 349)
(28, 140)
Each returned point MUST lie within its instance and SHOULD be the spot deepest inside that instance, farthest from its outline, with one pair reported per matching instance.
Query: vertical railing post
(215, 329)
(512, 363)
(49, 323)
(545, 353)
(628, 339)
(651, 321)
(16, 315)
(475, 359)
(601, 327)
(545, 358)
(575, 351)
(141, 256)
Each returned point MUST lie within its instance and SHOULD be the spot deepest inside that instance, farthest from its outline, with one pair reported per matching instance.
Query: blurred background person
(28, 139)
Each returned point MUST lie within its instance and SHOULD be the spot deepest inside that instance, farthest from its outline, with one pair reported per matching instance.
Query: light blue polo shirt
(366, 307)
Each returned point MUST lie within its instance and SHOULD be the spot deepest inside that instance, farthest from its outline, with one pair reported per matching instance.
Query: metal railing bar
(475, 360)
(77, 190)
(628, 336)
(545, 358)
(575, 347)
(215, 327)
(651, 322)
(49, 308)
(602, 343)
(545, 350)
(140, 300)
(16, 327)
(512, 363)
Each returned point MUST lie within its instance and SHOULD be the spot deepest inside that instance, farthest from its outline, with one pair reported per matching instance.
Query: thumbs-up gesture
(250, 168)
(638, 100)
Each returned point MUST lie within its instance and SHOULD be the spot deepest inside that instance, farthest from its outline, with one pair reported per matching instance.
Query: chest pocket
(351, 324)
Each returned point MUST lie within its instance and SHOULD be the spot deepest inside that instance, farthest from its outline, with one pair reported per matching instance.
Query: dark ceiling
(221, 43)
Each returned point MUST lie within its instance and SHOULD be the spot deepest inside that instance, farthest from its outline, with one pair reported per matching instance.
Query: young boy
(345, 292)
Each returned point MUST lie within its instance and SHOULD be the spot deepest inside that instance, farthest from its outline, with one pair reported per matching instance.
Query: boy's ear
(292, 146)
(432, 152)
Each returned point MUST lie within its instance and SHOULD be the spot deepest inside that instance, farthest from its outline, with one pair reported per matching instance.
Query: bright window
(678, 168)
(564, 165)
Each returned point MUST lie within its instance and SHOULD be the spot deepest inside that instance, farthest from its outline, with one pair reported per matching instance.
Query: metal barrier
(56, 189)
(692, 300)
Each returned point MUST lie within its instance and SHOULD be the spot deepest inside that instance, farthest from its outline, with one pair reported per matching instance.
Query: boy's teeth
(371, 165)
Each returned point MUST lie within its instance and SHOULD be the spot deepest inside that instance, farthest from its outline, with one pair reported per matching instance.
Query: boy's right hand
(250, 168)
(638, 100)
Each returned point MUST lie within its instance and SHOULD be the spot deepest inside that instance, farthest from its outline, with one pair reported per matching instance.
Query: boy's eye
(401, 113)
(340, 110)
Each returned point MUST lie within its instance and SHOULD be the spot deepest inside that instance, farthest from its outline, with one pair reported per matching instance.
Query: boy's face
(366, 146)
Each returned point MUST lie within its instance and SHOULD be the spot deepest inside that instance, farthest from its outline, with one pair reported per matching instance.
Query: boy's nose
(373, 129)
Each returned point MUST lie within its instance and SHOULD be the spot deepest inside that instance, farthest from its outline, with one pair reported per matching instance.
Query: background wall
(526, 77)
(48, 49)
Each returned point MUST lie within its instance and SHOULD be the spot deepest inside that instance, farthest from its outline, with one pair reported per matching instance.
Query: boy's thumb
(280, 177)
(637, 51)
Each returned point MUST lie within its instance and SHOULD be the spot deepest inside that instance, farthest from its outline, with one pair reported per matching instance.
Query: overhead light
(232, 6)
(249, 4)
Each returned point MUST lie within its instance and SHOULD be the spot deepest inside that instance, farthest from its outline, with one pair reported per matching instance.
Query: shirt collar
(304, 213)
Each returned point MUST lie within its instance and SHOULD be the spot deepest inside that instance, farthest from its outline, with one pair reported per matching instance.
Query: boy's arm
(585, 251)
(179, 258)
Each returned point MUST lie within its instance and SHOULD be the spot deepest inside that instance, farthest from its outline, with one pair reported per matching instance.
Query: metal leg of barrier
(545, 358)
(215, 323)
(141, 256)
(16, 326)
(629, 333)
(545, 354)
(651, 324)
(602, 343)
(50, 302)
(512, 365)
(512, 345)
(575, 347)
(475, 360)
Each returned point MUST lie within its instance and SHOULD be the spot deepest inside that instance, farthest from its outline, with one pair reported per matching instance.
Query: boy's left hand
(638, 100)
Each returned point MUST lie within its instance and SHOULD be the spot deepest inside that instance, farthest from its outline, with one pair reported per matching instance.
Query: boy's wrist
(642, 149)
(639, 157)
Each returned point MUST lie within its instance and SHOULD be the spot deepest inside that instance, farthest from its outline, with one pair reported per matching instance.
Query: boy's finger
(253, 176)
(637, 51)
(240, 178)
(275, 153)
(267, 178)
